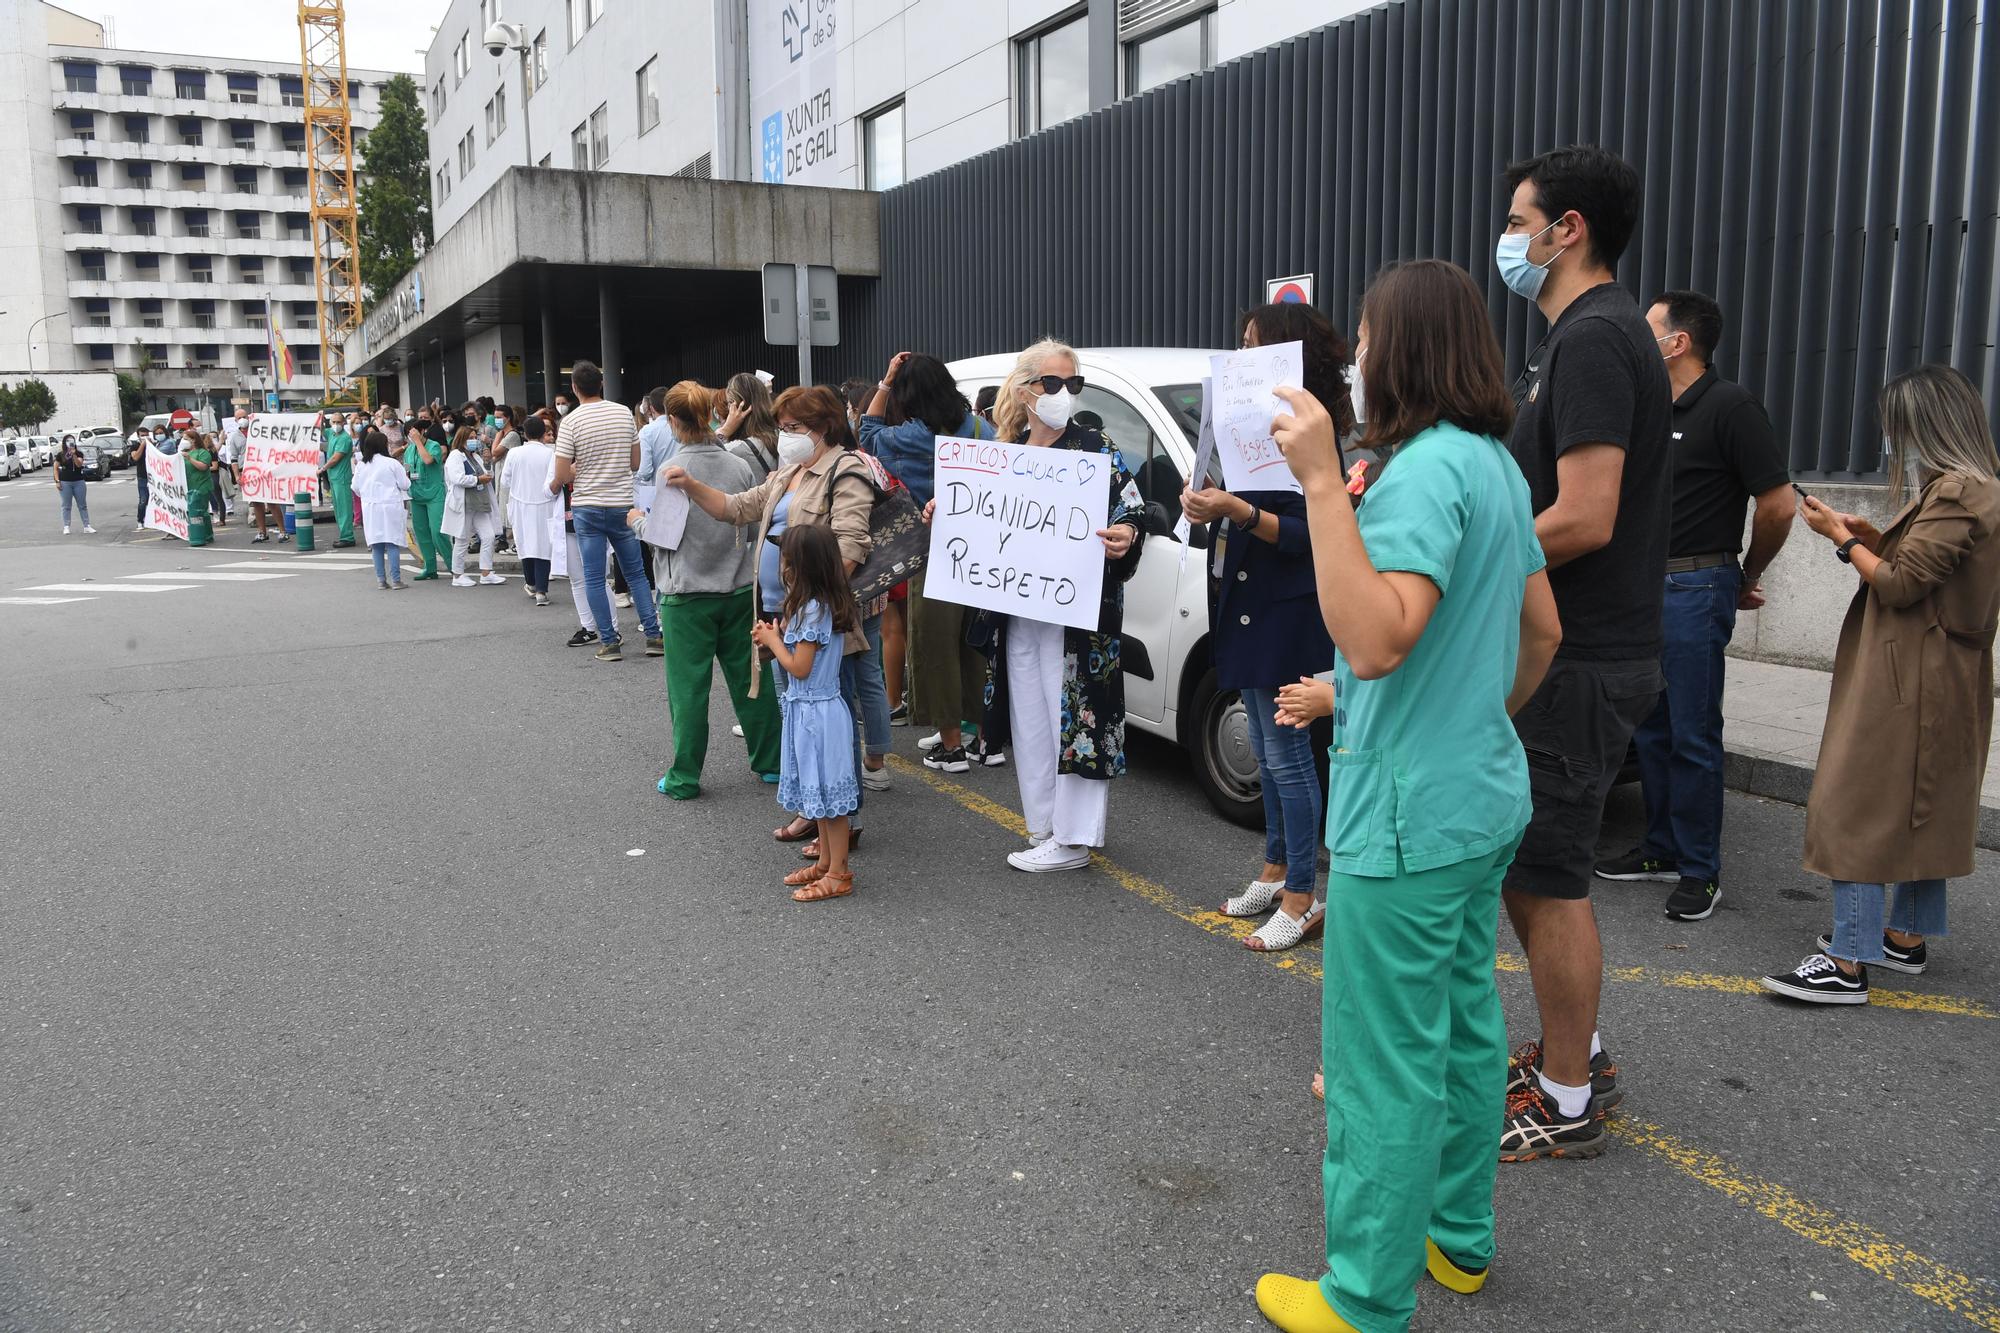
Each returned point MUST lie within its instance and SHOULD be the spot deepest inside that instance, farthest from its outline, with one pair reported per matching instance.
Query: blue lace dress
(817, 779)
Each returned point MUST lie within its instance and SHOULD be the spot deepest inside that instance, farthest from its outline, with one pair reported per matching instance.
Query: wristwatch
(1841, 551)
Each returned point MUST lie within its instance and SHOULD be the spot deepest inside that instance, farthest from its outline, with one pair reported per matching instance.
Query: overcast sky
(381, 34)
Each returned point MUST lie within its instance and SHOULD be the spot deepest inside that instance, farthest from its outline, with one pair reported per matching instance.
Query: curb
(1782, 779)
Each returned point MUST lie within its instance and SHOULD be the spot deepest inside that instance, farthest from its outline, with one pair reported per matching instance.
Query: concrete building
(169, 215)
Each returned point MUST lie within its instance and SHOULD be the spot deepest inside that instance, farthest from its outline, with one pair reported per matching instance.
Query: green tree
(27, 405)
(131, 397)
(7, 421)
(395, 202)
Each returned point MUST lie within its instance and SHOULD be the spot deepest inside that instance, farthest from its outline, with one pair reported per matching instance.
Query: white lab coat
(380, 484)
(534, 514)
(457, 480)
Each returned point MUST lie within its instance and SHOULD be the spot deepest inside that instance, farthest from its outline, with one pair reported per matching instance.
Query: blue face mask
(1522, 275)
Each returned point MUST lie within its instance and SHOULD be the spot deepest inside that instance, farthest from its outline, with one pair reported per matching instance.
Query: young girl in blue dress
(816, 778)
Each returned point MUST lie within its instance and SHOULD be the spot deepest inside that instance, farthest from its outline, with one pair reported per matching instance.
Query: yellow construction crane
(330, 177)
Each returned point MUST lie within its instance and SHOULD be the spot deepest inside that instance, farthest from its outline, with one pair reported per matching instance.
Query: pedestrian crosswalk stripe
(266, 565)
(214, 576)
(109, 587)
(41, 601)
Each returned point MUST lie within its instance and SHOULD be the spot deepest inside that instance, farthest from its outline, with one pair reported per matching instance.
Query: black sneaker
(948, 761)
(1526, 1062)
(1535, 1127)
(990, 756)
(1635, 865)
(899, 716)
(1894, 957)
(1819, 980)
(1693, 899)
(581, 637)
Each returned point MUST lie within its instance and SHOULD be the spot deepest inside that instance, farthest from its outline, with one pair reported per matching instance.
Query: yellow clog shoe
(1448, 1274)
(1297, 1306)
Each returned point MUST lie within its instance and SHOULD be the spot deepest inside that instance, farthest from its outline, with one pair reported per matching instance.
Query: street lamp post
(53, 314)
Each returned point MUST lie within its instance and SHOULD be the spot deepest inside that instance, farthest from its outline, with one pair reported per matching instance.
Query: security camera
(502, 37)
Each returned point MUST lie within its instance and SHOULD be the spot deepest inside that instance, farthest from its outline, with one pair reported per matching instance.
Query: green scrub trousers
(1416, 1073)
(340, 481)
(702, 629)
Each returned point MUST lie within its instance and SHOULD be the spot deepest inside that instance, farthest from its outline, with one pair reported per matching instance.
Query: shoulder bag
(900, 540)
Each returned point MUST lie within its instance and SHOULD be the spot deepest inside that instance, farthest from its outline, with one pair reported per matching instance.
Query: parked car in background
(12, 458)
(111, 440)
(45, 449)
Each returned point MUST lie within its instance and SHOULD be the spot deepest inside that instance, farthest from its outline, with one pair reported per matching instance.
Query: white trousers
(1069, 808)
(483, 527)
(584, 619)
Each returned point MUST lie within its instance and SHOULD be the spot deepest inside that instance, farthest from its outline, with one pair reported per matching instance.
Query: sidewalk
(1772, 717)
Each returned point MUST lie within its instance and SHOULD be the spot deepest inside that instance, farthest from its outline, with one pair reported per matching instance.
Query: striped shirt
(598, 437)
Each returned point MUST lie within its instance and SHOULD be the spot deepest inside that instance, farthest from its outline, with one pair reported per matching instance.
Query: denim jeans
(598, 526)
(867, 692)
(72, 491)
(1292, 808)
(389, 557)
(1680, 745)
(1857, 916)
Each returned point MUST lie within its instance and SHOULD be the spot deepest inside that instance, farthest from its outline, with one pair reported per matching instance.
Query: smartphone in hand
(1801, 490)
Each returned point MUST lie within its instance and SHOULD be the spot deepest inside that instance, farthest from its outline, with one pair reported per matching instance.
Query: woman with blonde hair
(1060, 692)
(1895, 796)
(750, 422)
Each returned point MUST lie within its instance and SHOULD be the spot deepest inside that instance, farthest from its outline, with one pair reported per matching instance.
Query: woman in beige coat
(1895, 802)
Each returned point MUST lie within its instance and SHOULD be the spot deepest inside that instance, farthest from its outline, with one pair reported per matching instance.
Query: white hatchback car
(1148, 401)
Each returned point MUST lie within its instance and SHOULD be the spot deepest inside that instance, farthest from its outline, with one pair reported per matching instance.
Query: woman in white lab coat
(380, 484)
(536, 515)
(468, 508)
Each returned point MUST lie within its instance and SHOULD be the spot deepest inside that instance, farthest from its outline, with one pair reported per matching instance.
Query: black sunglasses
(1055, 383)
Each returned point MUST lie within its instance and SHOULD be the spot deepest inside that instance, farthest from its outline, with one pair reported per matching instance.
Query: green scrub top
(1426, 768)
(200, 482)
(426, 479)
(340, 442)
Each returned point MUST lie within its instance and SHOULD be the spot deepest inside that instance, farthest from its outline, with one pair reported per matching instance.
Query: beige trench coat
(1896, 795)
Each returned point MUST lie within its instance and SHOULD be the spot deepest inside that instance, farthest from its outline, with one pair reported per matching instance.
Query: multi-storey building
(180, 218)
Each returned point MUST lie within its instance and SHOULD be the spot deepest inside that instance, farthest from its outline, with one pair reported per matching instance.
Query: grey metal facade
(1828, 169)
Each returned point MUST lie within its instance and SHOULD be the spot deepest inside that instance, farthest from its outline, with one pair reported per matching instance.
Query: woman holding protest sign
(916, 401)
(1266, 634)
(1060, 692)
(1436, 597)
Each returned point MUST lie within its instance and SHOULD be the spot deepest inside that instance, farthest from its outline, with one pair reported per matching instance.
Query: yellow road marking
(1941, 1286)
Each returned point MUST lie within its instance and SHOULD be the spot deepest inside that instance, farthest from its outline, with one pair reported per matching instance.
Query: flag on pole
(282, 365)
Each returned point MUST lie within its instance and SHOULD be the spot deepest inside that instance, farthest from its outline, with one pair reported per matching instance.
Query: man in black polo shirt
(1724, 453)
(1590, 435)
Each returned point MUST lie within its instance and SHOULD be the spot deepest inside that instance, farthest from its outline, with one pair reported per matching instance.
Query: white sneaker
(875, 779)
(1037, 839)
(736, 730)
(65, 529)
(88, 528)
(930, 742)
(465, 581)
(492, 580)
(1051, 855)
(623, 599)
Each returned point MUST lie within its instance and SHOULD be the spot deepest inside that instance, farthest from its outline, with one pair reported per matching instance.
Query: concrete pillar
(610, 346)
(551, 366)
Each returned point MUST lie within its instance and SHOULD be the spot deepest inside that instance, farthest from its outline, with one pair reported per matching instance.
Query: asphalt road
(332, 996)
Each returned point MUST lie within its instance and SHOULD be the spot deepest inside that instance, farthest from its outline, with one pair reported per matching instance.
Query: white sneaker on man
(1051, 855)
(492, 580)
(465, 581)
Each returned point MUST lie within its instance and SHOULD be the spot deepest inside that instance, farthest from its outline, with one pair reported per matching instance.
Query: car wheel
(1224, 764)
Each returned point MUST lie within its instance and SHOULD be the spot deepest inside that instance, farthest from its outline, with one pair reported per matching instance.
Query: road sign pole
(805, 325)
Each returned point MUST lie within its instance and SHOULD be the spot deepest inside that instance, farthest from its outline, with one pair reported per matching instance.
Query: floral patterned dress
(1093, 687)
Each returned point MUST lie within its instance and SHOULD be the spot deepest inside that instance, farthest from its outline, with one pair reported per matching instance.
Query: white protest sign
(1244, 406)
(1204, 455)
(281, 457)
(166, 493)
(667, 518)
(1016, 530)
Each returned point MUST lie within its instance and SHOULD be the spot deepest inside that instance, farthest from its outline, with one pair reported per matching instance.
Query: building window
(196, 222)
(190, 85)
(882, 147)
(1166, 55)
(79, 76)
(196, 176)
(443, 184)
(461, 59)
(99, 351)
(649, 95)
(243, 88)
(150, 314)
(538, 63)
(1052, 71)
(139, 129)
(83, 125)
(143, 222)
(199, 269)
(90, 219)
(294, 178)
(600, 135)
(437, 99)
(243, 135)
(206, 355)
(465, 157)
(250, 226)
(86, 172)
(489, 13)
(304, 316)
(144, 262)
(93, 265)
(139, 173)
(579, 148)
(97, 312)
(496, 116)
(583, 16)
(245, 180)
(135, 82)
(190, 132)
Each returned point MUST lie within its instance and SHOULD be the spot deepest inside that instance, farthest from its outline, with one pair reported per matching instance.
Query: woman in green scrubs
(1435, 596)
(424, 458)
(200, 471)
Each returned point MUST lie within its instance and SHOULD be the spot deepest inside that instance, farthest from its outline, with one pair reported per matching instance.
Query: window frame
(1027, 65)
(647, 91)
(868, 152)
(600, 119)
(579, 147)
(1128, 49)
(538, 62)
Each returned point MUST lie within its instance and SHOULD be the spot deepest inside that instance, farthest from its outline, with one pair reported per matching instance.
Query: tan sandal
(805, 875)
(827, 885)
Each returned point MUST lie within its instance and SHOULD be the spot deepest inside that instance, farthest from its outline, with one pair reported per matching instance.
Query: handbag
(900, 540)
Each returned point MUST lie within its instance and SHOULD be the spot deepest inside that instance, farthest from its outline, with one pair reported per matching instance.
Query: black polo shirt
(1724, 452)
(1598, 379)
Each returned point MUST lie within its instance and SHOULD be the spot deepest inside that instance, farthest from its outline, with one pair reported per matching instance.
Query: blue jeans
(390, 553)
(1857, 916)
(1292, 808)
(72, 491)
(1680, 745)
(596, 527)
(867, 692)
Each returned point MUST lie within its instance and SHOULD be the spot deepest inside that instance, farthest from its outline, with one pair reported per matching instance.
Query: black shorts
(1576, 730)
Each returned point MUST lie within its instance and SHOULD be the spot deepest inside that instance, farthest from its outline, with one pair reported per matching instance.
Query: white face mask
(1052, 409)
(1357, 397)
(793, 449)
(562, 409)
